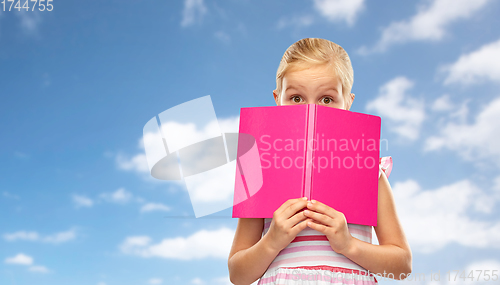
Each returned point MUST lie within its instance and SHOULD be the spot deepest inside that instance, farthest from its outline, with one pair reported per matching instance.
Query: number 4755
(41, 5)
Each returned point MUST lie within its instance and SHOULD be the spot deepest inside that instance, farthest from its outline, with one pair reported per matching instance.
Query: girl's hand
(330, 222)
(284, 225)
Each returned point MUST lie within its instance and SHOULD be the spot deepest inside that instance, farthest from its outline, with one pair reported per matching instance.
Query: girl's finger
(300, 226)
(296, 218)
(315, 226)
(324, 209)
(324, 219)
(294, 208)
(287, 204)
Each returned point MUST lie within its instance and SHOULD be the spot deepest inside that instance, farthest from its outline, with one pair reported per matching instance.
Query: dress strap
(385, 164)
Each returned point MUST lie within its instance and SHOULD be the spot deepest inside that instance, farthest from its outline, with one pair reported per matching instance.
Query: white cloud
(442, 103)
(197, 281)
(202, 244)
(474, 141)
(22, 235)
(483, 265)
(229, 124)
(404, 113)
(475, 67)
(434, 218)
(149, 207)
(60, 237)
(180, 135)
(137, 163)
(462, 112)
(26, 260)
(133, 242)
(82, 201)
(451, 112)
(193, 12)
(332, 10)
(39, 269)
(120, 196)
(339, 10)
(20, 258)
(200, 156)
(56, 238)
(155, 281)
(429, 24)
(207, 175)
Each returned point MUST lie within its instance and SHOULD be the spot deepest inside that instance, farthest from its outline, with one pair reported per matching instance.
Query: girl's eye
(327, 100)
(296, 99)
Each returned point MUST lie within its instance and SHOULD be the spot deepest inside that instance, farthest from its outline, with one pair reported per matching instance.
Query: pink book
(326, 154)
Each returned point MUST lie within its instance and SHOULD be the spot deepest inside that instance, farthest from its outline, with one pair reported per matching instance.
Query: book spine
(304, 168)
(311, 124)
(313, 150)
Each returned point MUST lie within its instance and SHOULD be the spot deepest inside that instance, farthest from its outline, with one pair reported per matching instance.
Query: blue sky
(78, 84)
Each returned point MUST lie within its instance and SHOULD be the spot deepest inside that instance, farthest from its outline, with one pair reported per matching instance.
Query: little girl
(318, 246)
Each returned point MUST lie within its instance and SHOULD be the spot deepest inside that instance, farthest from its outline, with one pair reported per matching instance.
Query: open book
(323, 153)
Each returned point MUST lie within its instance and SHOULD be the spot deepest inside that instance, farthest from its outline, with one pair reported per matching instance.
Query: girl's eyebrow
(293, 87)
(329, 85)
(302, 87)
(332, 88)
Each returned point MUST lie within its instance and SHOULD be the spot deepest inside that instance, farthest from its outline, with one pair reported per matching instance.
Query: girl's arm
(251, 255)
(393, 254)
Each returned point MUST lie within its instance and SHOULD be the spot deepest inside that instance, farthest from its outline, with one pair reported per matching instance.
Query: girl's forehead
(304, 69)
(315, 72)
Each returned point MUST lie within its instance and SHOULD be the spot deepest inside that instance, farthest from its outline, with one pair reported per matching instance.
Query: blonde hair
(312, 52)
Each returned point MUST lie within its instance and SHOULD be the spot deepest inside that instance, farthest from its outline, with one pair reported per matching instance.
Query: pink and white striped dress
(310, 260)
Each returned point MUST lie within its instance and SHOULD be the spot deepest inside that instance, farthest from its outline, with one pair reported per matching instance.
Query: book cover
(326, 154)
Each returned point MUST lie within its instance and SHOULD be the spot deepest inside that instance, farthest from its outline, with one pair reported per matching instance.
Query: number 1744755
(27, 5)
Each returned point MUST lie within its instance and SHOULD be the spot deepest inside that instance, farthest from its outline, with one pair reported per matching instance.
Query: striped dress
(310, 260)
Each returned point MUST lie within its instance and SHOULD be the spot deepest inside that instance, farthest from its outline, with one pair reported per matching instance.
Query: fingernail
(304, 198)
(306, 211)
(313, 201)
